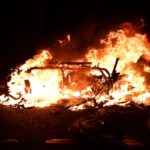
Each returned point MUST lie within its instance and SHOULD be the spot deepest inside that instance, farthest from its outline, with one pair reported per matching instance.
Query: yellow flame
(128, 49)
(43, 87)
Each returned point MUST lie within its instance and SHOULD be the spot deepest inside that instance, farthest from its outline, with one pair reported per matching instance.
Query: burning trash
(117, 73)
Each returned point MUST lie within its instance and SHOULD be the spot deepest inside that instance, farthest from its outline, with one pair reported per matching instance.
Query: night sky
(26, 26)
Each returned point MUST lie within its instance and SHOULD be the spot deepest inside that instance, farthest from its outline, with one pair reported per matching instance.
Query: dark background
(26, 26)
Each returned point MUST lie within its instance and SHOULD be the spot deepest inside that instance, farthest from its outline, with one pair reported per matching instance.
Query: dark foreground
(56, 127)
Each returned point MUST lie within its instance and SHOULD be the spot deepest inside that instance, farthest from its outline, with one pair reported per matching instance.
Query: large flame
(43, 87)
(39, 87)
(132, 48)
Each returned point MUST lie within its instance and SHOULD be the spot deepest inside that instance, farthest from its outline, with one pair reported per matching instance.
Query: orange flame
(43, 87)
(129, 48)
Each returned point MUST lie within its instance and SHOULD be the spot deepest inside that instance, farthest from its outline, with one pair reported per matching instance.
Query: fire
(39, 87)
(118, 45)
(130, 49)
(65, 41)
(39, 82)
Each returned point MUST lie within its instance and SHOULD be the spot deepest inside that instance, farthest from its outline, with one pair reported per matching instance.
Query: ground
(50, 127)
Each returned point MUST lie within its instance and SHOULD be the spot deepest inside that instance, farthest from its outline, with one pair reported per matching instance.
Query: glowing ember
(40, 83)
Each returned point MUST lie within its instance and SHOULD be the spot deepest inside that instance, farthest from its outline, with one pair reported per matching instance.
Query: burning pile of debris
(99, 83)
(92, 82)
(114, 75)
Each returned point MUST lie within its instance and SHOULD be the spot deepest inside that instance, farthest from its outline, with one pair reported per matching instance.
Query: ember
(94, 82)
